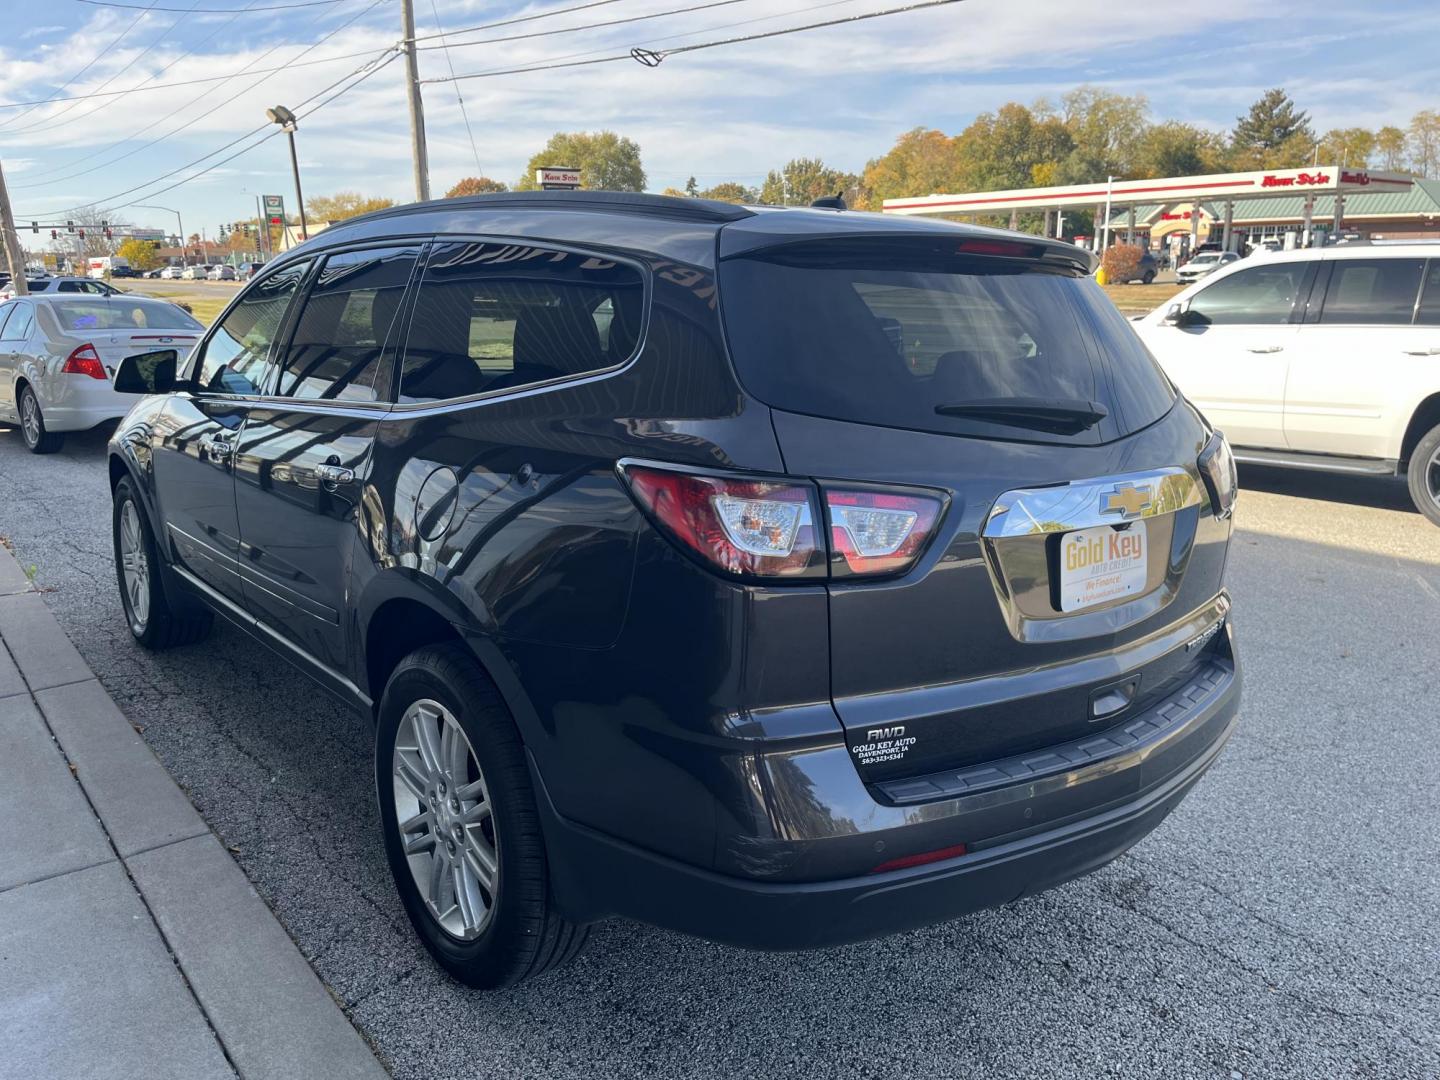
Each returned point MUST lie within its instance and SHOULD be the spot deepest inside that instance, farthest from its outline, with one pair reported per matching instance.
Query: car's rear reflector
(85, 361)
(924, 857)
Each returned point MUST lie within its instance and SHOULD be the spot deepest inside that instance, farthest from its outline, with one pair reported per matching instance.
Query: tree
(803, 180)
(607, 162)
(475, 185)
(1176, 149)
(1273, 134)
(731, 192)
(674, 193)
(1350, 147)
(1106, 129)
(1425, 141)
(342, 205)
(692, 188)
(1390, 146)
(923, 161)
(140, 254)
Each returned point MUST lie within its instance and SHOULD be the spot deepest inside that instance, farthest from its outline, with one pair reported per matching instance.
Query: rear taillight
(749, 528)
(84, 361)
(878, 532)
(1217, 466)
(768, 528)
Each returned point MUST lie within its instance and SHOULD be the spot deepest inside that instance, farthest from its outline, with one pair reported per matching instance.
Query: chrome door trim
(1083, 504)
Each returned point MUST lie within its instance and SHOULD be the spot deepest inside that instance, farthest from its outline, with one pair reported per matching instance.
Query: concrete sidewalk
(130, 942)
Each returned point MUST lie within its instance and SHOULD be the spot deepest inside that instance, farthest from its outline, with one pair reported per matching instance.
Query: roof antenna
(831, 202)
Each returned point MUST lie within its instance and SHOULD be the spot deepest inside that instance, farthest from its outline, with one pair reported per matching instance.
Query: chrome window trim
(1078, 505)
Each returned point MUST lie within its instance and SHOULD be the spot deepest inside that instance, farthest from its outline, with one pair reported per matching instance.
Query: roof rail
(621, 202)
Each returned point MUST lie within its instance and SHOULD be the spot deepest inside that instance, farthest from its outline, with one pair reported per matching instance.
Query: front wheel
(152, 621)
(462, 833)
(1148, 277)
(32, 425)
(1424, 475)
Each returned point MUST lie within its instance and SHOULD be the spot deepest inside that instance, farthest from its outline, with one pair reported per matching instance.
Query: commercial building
(1184, 211)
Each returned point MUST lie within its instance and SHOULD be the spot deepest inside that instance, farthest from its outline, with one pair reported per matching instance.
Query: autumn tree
(1424, 143)
(731, 192)
(140, 254)
(1351, 147)
(1274, 134)
(1176, 149)
(342, 205)
(1390, 147)
(475, 185)
(1105, 129)
(607, 162)
(803, 180)
(923, 161)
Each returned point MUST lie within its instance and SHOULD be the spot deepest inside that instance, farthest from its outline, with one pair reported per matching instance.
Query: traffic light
(109, 235)
(54, 235)
(35, 227)
(80, 233)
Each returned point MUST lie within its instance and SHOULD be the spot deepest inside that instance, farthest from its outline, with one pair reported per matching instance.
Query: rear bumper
(1087, 822)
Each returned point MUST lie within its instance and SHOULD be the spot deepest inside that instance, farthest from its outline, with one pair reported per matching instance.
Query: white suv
(1326, 359)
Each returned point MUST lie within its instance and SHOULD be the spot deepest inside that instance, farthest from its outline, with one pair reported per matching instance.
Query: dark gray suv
(785, 577)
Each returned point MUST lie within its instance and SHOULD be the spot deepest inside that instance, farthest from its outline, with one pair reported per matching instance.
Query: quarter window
(236, 356)
(22, 321)
(1372, 291)
(339, 345)
(1429, 312)
(1260, 295)
(499, 316)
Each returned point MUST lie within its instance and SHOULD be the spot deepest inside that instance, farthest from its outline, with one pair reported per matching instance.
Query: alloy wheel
(134, 566)
(446, 820)
(1432, 477)
(30, 417)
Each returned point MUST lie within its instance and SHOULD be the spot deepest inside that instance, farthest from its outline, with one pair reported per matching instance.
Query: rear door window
(1256, 296)
(1429, 312)
(492, 316)
(1372, 292)
(888, 339)
(339, 348)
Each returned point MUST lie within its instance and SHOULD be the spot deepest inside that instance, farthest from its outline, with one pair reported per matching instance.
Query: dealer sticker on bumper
(1102, 564)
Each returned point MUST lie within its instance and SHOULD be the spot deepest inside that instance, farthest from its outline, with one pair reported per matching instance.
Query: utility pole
(417, 106)
(11, 241)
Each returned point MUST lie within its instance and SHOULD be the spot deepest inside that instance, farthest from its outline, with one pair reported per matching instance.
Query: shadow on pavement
(1381, 492)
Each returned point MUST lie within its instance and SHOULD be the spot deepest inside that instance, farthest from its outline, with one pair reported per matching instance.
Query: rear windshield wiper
(1058, 416)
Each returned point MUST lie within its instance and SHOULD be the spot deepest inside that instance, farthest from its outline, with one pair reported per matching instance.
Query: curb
(259, 998)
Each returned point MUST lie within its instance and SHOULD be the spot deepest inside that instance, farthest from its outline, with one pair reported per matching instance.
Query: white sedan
(58, 356)
(1207, 262)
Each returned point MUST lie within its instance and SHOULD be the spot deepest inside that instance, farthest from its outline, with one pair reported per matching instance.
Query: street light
(286, 119)
(178, 224)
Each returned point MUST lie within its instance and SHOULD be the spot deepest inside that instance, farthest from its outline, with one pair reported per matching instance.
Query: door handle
(1422, 352)
(332, 476)
(1266, 348)
(217, 448)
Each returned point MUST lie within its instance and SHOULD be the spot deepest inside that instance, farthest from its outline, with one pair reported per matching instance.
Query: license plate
(1102, 564)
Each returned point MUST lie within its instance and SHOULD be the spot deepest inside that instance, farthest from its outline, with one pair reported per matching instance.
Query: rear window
(120, 314)
(888, 340)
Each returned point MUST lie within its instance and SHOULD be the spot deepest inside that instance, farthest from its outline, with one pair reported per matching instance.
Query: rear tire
(148, 613)
(32, 425)
(1424, 475)
(1148, 277)
(439, 706)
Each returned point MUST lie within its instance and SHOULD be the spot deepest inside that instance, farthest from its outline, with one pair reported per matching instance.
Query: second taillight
(878, 532)
(84, 361)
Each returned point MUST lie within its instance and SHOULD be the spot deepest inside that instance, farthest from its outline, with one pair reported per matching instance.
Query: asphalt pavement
(1282, 923)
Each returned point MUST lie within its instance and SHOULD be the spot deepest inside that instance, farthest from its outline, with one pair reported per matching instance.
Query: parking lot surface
(1281, 923)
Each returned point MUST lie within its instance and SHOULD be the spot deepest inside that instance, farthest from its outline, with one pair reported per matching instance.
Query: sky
(842, 93)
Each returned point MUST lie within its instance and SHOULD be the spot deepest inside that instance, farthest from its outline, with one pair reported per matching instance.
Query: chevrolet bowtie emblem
(1128, 500)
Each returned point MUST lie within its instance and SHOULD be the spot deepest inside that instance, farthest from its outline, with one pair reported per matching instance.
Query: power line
(213, 11)
(378, 61)
(49, 124)
(106, 50)
(194, 120)
(653, 59)
(459, 97)
(519, 19)
(447, 45)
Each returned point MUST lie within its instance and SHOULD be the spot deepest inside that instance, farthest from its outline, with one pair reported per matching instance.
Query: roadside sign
(558, 178)
(275, 209)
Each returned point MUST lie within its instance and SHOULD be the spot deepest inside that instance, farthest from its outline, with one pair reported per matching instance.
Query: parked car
(172, 273)
(787, 578)
(1145, 269)
(1206, 262)
(123, 272)
(1317, 359)
(198, 272)
(41, 286)
(58, 355)
(221, 272)
(248, 270)
(155, 273)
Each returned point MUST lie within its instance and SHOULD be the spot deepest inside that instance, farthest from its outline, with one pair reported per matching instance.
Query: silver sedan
(58, 356)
